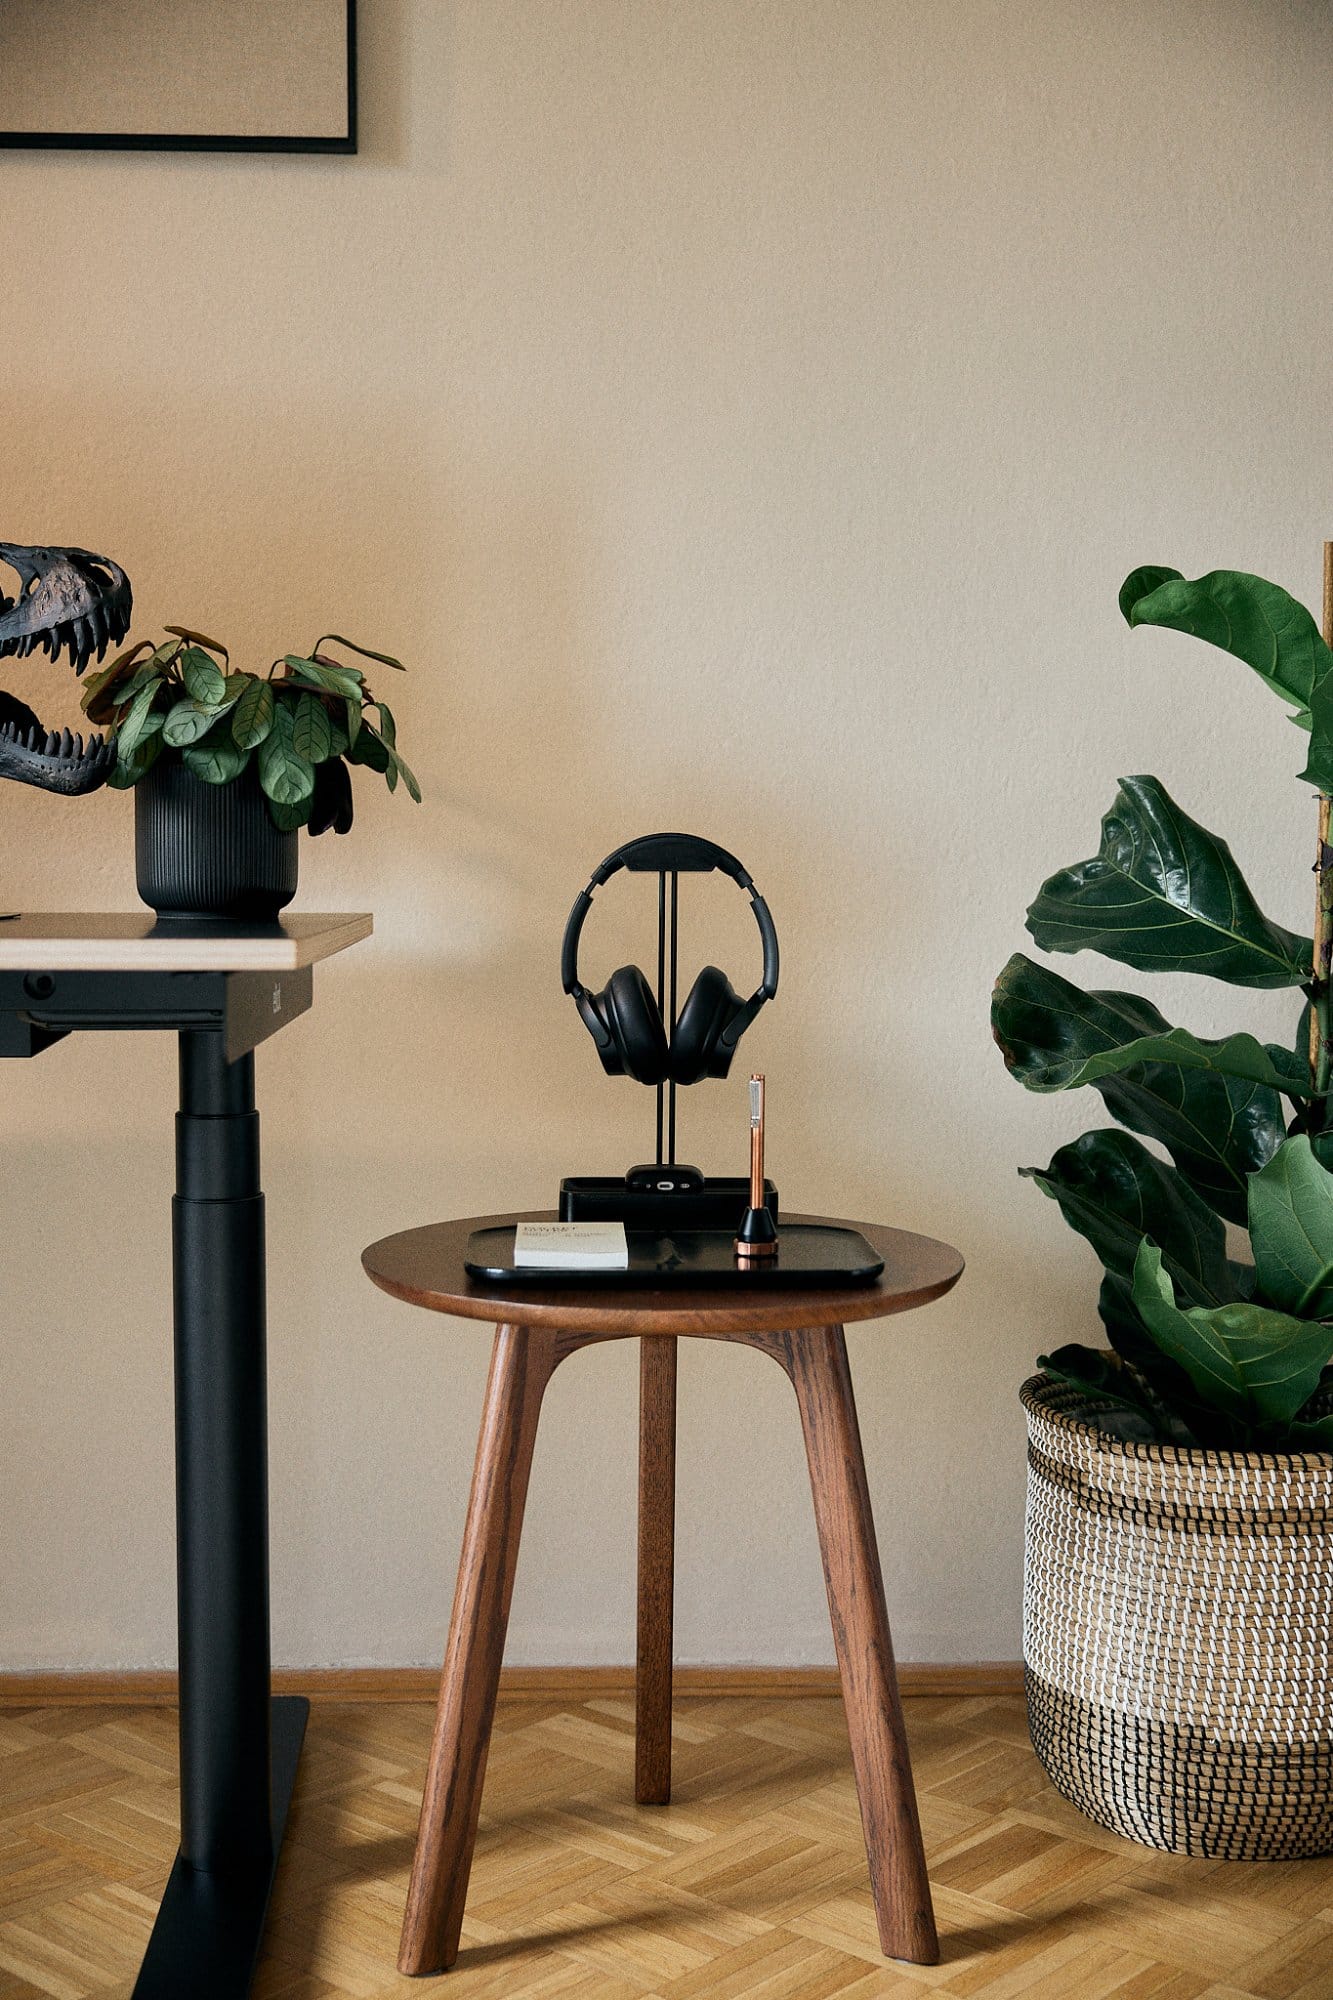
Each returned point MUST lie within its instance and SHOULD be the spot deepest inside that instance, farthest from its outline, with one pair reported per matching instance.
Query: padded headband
(672, 853)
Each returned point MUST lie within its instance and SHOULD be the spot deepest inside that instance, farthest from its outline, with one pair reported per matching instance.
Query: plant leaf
(1253, 1364)
(1291, 1231)
(252, 717)
(291, 818)
(98, 701)
(1165, 895)
(286, 777)
(366, 748)
(344, 681)
(312, 736)
(1053, 1036)
(366, 652)
(1103, 1379)
(409, 778)
(187, 722)
(1316, 1435)
(129, 732)
(198, 639)
(203, 677)
(127, 771)
(217, 760)
(129, 691)
(1114, 1192)
(331, 807)
(1218, 1129)
(1254, 620)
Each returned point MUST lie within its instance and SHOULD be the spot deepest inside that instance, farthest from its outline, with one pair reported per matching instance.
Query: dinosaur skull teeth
(69, 602)
(48, 744)
(80, 637)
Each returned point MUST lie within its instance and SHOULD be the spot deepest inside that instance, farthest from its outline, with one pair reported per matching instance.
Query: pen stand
(757, 1236)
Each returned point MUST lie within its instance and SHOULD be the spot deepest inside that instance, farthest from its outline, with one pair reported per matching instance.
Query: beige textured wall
(741, 415)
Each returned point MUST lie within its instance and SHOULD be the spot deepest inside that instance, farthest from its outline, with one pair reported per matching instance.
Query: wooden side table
(222, 989)
(536, 1328)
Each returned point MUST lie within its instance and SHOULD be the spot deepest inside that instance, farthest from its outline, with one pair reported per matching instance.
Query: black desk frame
(238, 1745)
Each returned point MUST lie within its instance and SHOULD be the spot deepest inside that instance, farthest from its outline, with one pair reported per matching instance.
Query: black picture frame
(194, 142)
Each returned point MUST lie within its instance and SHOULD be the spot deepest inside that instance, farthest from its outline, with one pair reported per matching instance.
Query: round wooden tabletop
(425, 1267)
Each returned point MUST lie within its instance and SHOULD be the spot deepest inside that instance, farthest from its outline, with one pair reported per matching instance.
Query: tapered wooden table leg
(521, 1364)
(816, 1359)
(431, 1267)
(657, 1561)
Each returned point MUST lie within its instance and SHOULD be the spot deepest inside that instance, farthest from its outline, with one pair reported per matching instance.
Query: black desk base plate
(205, 1943)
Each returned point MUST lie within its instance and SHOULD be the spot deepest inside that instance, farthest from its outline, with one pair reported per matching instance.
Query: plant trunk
(1321, 1040)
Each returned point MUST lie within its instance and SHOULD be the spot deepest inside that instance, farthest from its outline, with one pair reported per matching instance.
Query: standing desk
(221, 989)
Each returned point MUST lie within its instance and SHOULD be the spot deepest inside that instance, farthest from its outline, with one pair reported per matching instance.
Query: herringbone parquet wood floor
(750, 1886)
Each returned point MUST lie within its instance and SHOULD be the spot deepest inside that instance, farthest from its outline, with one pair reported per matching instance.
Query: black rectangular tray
(808, 1254)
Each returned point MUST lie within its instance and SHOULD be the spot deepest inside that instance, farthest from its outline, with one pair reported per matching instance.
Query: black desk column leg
(221, 1460)
(239, 1748)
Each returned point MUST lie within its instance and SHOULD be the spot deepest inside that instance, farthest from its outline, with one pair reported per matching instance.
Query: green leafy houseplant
(1207, 1348)
(303, 724)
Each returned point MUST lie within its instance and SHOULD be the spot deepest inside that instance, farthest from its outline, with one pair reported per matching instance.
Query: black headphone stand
(663, 1194)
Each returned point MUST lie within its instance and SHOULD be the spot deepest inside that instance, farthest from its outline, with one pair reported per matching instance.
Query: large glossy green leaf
(1316, 1434)
(1218, 1129)
(1255, 1365)
(1054, 1036)
(1113, 1191)
(1122, 1408)
(1165, 895)
(1258, 622)
(1291, 1231)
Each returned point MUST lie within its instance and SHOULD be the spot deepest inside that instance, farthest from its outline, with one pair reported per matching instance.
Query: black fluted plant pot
(210, 852)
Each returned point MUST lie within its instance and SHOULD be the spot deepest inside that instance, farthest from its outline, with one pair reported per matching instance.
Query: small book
(571, 1246)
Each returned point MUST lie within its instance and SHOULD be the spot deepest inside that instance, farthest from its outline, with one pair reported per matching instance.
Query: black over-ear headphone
(625, 1019)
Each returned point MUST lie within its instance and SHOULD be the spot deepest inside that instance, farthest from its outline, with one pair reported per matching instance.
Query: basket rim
(1032, 1395)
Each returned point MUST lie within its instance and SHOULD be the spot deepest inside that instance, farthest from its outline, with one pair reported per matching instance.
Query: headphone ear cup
(629, 1009)
(711, 1004)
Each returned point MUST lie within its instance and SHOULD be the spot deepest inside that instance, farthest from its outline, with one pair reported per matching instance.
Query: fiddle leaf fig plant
(302, 725)
(1207, 1348)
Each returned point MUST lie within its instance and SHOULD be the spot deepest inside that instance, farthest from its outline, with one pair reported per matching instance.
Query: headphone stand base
(719, 1203)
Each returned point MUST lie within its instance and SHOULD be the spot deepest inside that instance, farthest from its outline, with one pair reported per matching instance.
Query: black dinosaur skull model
(67, 601)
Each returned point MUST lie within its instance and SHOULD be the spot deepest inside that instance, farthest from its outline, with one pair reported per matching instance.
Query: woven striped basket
(1178, 1636)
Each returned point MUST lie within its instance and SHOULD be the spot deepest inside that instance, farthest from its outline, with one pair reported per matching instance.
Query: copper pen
(758, 1236)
